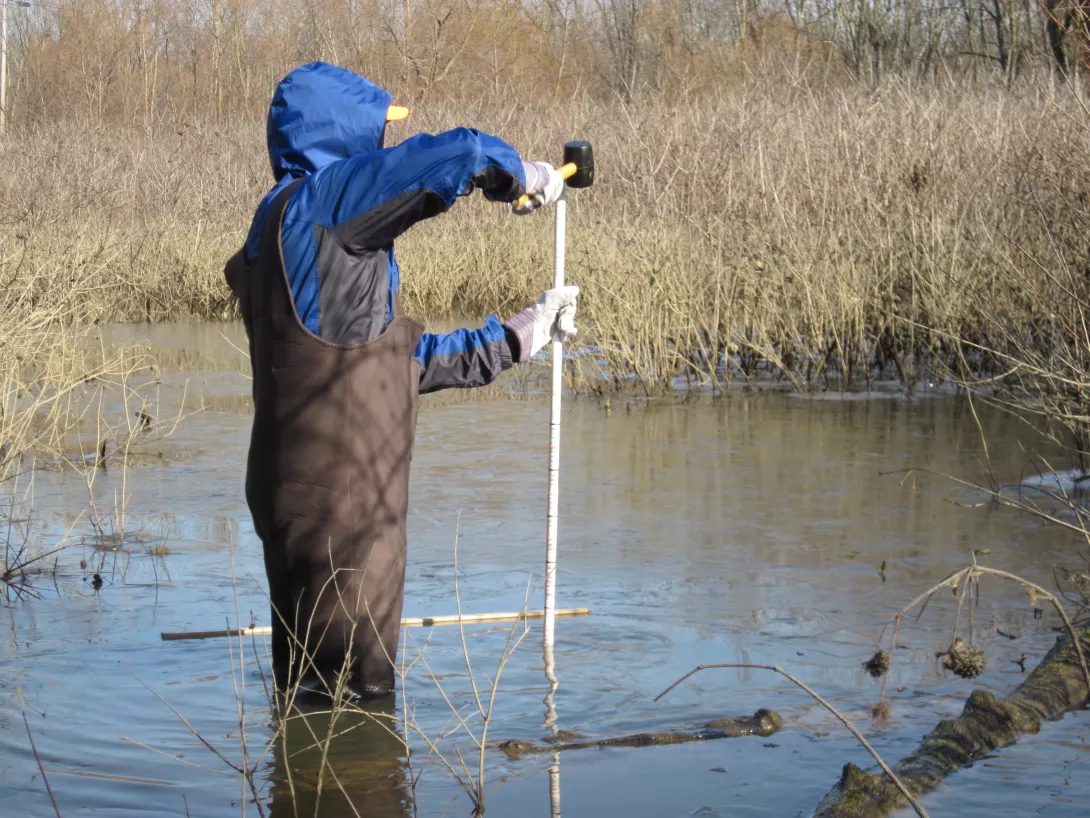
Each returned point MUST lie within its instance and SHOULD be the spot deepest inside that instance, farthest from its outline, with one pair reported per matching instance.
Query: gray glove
(552, 318)
(544, 185)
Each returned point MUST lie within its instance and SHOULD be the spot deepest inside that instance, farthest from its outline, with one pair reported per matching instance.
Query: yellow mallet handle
(566, 172)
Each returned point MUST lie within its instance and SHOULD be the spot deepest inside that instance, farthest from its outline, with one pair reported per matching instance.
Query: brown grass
(66, 401)
(822, 237)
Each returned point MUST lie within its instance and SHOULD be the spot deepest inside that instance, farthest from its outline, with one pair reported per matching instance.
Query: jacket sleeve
(373, 198)
(464, 358)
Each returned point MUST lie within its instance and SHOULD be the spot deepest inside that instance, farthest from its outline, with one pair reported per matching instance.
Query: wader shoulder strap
(270, 232)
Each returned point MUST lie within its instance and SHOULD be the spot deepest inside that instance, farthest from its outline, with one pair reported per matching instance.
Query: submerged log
(1056, 686)
(762, 723)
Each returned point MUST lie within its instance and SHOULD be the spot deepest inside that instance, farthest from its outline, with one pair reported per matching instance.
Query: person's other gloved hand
(552, 318)
(544, 184)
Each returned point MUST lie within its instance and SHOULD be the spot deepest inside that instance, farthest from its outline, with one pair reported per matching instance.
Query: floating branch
(1057, 685)
(762, 723)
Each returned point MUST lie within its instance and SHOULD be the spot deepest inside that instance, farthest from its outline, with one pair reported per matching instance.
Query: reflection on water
(551, 726)
(318, 753)
(746, 529)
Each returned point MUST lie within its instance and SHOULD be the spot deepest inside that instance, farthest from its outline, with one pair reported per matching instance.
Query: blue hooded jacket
(327, 124)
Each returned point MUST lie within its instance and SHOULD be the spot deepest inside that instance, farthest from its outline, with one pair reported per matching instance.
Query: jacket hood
(321, 114)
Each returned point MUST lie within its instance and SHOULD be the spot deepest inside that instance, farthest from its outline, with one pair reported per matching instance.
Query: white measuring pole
(559, 250)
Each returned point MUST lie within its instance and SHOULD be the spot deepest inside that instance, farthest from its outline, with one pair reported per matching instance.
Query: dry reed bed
(52, 384)
(816, 234)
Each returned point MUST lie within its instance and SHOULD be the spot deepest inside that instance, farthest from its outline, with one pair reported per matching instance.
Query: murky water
(748, 529)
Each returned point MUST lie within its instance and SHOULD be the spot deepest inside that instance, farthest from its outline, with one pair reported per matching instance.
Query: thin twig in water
(458, 766)
(461, 625)
(177, 758)
(41, 769)
(193, 730)
(239, 684)
(920, 811)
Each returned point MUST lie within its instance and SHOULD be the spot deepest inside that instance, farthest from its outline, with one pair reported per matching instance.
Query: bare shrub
(822, 238)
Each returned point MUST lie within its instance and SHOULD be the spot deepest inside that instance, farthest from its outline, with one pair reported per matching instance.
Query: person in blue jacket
(338, 367)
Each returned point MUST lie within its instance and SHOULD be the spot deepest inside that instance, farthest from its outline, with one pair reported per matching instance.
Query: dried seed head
(966, 660)
(878, 665)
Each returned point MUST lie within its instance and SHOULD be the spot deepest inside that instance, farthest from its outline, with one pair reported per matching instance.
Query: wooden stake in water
(559, 249)
(408, 622)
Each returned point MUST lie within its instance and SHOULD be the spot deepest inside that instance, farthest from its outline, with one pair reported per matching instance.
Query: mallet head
(581, 154)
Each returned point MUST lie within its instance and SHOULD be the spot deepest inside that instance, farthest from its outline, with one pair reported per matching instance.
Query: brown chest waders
(327, 478)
